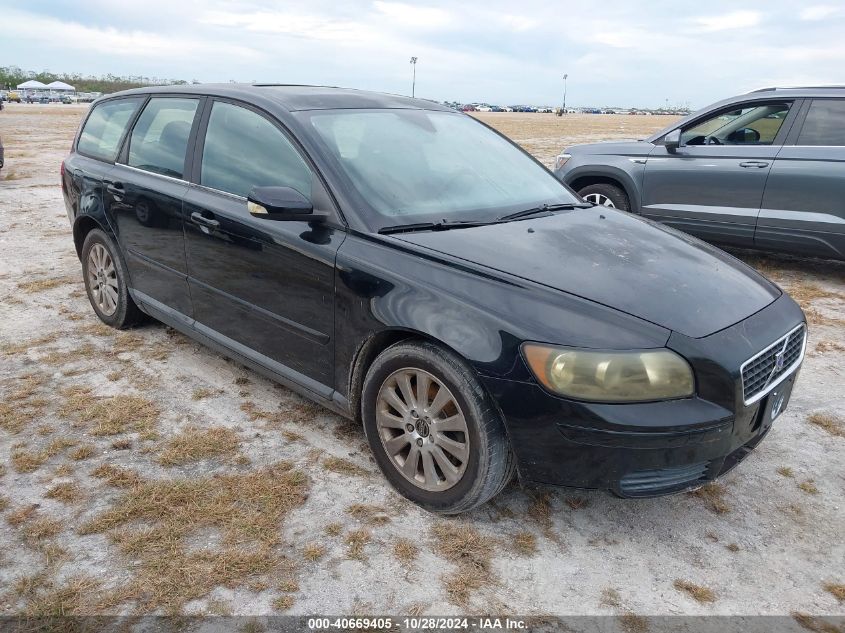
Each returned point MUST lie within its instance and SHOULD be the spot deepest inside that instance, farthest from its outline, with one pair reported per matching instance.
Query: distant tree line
(11, 76)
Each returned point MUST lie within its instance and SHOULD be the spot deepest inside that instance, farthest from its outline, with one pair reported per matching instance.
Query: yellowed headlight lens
(636, 376)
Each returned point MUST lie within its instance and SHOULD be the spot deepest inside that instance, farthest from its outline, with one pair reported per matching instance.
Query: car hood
(614, 148)
(619, 260)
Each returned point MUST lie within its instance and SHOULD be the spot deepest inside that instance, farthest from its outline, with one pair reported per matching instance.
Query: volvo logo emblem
(779, 361)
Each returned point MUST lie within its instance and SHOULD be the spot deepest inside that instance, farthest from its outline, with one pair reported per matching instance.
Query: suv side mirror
(672, 141)
(280, 203)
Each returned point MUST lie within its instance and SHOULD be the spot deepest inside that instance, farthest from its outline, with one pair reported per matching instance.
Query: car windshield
(421, 166)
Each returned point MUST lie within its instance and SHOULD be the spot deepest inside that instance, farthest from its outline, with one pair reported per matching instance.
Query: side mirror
(744, 135)
(280, 203)
(672, 141)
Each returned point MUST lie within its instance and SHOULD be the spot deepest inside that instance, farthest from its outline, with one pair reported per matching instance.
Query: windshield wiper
(443, 225)
(541, 209)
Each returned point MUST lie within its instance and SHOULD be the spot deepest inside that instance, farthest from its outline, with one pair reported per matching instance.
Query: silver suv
(763, 170)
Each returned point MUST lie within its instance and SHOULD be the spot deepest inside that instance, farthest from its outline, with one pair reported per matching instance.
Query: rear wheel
(433, 430)
(106, 282)
(605, 195)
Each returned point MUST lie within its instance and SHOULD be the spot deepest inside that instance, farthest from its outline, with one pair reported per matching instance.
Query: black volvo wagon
(407, 266)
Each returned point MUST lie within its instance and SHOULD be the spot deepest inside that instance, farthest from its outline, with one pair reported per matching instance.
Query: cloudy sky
(616, 52)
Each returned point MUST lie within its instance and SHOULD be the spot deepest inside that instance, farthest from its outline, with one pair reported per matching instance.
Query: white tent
(60, 86)
(31, 85)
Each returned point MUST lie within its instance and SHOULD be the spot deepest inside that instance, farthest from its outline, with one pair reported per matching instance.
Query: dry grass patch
(698, 593)
(153, 520)
(109, 415)
(828, 422)
(713, 495)
(633, 623)
(786, 471)
(25, 461)
(405, 551)
(806, 292)
(283, 603)
(313, 552)
(524, 543)
(40, 529)
(822, 347)
(117, 476)
(202, 393)
(809, 487)
(836, 589)
(21, 405)
(68, 492)
(356, 540)
(334, 529)
(59, 445)
(732, 547)
(471, 553)
(194, 444)
(12, 349)
(122, 444)
(70, 599)
(22, 515)
(344, 467)
(41, 285)
(817, 625)
(83, 452)
(369, 514)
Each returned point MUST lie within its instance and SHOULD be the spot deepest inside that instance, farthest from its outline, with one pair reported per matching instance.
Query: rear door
(144, 199)
(803, 207)
(264, 288)
(712, 185)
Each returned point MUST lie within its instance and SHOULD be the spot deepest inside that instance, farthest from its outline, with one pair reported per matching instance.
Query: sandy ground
(128, 466)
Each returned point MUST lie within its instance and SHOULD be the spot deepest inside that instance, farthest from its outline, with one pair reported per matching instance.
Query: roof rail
(798, 88)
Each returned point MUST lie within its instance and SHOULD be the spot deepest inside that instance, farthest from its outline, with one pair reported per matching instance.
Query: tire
(488, 464)
(602, 193)
(106, 282)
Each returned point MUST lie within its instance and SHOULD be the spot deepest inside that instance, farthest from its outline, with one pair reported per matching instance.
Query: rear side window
(159, 139)
(244, 150)
(825, 124)
(100, 138)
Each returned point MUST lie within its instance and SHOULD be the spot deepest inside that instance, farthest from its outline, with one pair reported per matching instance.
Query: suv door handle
(754, 163)
(200, 219)
(116, 190)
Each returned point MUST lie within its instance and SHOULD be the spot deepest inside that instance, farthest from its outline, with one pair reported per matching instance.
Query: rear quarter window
(100, 138)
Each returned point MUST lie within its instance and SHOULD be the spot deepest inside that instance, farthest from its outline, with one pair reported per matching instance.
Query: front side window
(244, 150)
(420, 165)
(825, 123)
(159, 139)
(756, 124)
(104, 128)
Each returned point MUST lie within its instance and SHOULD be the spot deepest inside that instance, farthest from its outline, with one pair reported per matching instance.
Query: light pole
(414, 81)
(563, 109)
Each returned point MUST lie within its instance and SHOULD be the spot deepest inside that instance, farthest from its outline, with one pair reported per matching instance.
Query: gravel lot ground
(141, 472)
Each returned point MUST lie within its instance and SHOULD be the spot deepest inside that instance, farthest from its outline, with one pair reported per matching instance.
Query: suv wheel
(105, 282)
(433, 430)
(605, 195)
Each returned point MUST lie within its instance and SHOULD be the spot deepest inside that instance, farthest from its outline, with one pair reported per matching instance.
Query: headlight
(637, 376)
(560, 161)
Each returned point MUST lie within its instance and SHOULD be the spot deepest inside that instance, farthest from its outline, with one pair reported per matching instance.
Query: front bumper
(650, 449)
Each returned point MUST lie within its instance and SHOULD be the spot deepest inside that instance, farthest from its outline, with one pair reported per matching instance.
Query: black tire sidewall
(121, 315)
(428, 358)
(616, 194)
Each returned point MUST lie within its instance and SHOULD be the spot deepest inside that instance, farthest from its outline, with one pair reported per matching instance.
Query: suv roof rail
(798, 88)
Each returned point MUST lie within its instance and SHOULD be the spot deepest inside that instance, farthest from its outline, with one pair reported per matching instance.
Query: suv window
(159, 139)
(104, 128)
(825, 123)
(244, 150)
(756, 124)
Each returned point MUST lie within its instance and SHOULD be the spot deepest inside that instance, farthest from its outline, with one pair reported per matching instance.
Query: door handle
(200, 219)
(754, 163)
(116, 190)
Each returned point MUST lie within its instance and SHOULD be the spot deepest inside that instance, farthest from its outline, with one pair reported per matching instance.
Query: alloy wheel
(102, 279)
(422, 429)
(600, 200)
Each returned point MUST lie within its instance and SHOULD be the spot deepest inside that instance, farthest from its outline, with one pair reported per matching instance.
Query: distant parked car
(66, 99)
(13, 96)
(761, 170)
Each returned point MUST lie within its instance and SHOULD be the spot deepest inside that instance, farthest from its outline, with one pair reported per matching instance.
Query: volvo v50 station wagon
(406, 266)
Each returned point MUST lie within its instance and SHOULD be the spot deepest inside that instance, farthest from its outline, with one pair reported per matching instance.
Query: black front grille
(663, 480)
(764, 369)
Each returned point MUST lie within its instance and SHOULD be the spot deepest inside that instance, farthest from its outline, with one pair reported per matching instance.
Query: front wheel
(605, 195)
(433, 430)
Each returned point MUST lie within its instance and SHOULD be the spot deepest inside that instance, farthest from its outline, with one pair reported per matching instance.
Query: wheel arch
(82, 226)
(580, 179)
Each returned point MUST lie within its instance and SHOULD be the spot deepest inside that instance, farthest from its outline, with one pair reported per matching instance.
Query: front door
(262, 287)
(712, 185)
(145, 191)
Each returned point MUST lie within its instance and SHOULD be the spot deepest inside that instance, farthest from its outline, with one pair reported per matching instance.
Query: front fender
(627, 171)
